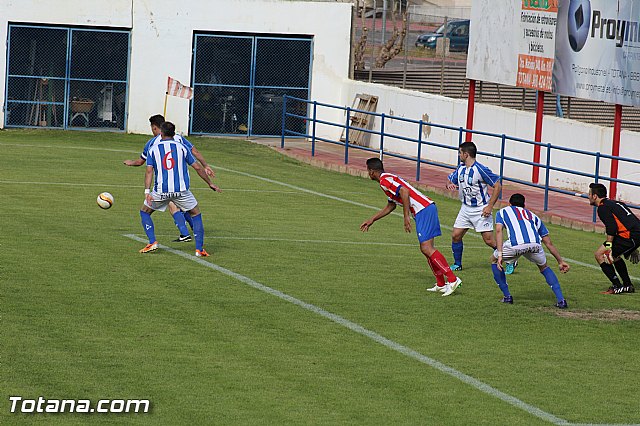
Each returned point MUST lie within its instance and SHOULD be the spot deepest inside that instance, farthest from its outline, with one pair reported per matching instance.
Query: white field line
(481, 386)
(348, 324)
(405, 350)
(109, 185)
(289, 240)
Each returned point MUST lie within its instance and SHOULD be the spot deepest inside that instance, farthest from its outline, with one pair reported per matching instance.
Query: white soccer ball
(105, 200)
(578, 22)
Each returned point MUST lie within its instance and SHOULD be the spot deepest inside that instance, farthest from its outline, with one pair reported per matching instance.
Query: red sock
(438, 260)
(437, 273)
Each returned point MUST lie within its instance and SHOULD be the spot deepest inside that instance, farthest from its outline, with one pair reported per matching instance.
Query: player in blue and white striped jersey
(473, 181)
(167, 168)
(525, 233)
(180, 218)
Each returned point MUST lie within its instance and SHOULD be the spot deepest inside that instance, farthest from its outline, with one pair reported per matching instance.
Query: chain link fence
(55, 79)
(240, 80)
(429, 41)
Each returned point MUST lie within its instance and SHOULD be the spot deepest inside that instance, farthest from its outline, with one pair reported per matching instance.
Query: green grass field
(85, 316)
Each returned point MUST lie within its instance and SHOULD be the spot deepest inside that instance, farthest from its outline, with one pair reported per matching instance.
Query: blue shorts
(427, 223)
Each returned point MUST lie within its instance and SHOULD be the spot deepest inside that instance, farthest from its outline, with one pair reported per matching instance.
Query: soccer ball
(105, 200)
(578, 23)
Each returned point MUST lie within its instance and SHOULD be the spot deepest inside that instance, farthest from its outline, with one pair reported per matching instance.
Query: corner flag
(175, 88)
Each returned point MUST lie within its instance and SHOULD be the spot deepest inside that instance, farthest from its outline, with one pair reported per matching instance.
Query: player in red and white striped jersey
(417, 205)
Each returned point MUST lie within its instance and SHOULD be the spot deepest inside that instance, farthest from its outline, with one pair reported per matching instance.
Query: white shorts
(533, 252)
(471, 217)
(184, 200)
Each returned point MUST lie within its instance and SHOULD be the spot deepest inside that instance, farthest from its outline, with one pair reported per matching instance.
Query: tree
(392, 47)
(388, 50)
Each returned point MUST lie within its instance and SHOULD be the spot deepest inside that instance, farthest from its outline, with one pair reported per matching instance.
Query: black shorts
(621, 246)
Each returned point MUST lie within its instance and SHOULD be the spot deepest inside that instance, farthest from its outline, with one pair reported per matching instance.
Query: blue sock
(553, 282)
(198, 231)
(179, 219)
(457, 252)
(147, 225)
(501, 279)
(187, 217)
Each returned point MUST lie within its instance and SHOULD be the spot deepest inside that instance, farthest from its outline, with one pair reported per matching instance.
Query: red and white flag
(175, 88)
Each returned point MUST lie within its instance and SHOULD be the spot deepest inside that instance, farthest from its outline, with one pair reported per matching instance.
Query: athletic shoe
(629, 289)
(561, 304)
(436, 288)
(613, 290)
(183, 239)
(451, 287)
(510, 267)
(150, 247)
(507, 299)
(202, 253)
(455, 267)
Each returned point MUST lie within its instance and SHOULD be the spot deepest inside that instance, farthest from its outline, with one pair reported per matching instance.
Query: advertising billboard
(598, 50)
(513, 42)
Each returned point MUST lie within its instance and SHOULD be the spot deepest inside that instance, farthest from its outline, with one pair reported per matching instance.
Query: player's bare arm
(134, 163)
(487, 210)
(564, 266)
(382, 213)
(148, 180)
(406, 208)
(207, 168)
(203, 175)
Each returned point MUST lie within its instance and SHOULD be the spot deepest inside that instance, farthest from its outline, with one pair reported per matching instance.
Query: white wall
(494, 119)
(112, 13)
(164, 28)
(167, 28)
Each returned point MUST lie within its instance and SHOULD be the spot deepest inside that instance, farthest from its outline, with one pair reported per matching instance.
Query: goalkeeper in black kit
(623, 239)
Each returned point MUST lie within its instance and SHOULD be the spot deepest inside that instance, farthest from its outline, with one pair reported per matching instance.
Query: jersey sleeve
(145, 150)
(542, 230)
(186, 143)
(453, 177)
(499, 218)
(388, 184)
(488, 176)
(606, 216)
(189, 157)
(151, 161)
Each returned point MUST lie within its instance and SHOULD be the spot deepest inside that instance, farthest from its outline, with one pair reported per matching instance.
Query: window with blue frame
(61, 77)
(240, 80)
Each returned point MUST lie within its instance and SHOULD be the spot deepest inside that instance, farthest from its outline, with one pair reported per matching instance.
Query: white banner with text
(597, 54)
(513, 42)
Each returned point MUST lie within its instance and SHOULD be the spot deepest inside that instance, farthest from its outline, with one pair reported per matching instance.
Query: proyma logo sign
(578, 23)
(583, 23)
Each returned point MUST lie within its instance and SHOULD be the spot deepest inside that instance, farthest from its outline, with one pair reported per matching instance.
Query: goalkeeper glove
(633, 257)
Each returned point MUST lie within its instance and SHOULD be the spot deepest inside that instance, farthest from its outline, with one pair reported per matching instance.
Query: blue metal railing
(348, 127)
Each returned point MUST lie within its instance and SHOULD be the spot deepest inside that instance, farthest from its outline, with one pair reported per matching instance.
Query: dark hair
(469, 148)
(168, 129)
(375, 164)
(599, 189)
(156, 120)
(517, 200)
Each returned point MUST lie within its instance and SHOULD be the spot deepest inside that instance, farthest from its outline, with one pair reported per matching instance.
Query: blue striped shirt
(473, 182)
(150, 142)
(170, 161)
(523, 226)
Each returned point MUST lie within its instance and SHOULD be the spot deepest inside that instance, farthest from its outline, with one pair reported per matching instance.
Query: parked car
(457, 33)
